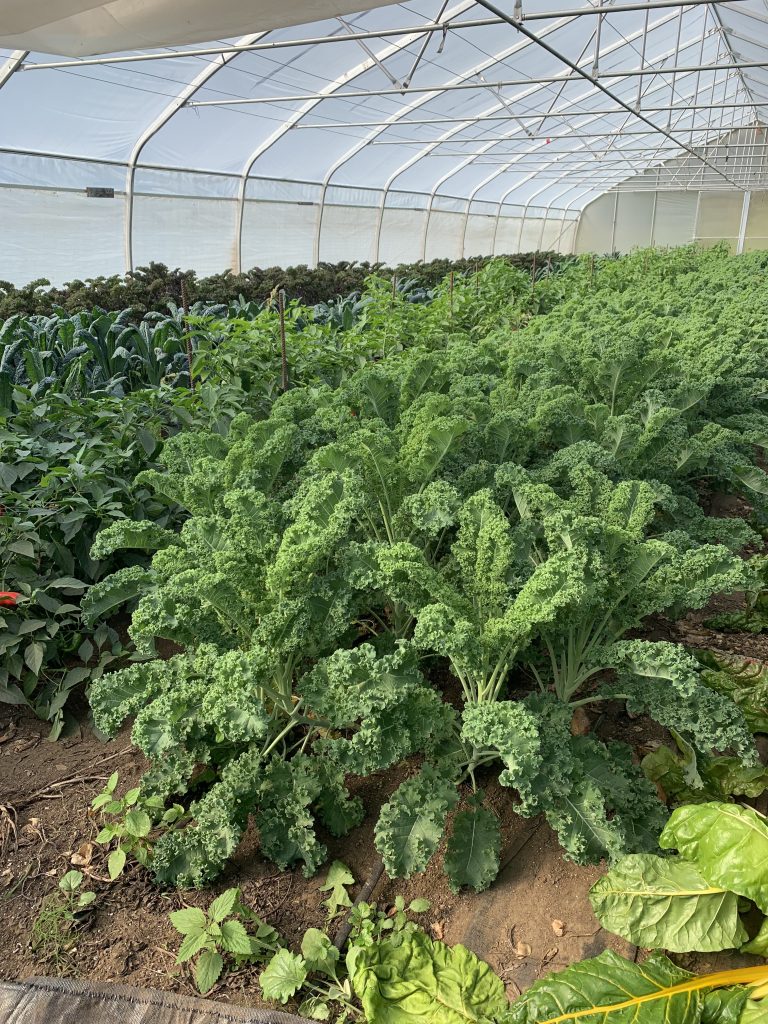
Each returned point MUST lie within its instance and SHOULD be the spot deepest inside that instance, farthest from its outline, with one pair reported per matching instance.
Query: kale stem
(284, 732)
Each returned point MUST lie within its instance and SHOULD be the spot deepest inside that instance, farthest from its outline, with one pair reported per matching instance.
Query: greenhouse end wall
(620, 221)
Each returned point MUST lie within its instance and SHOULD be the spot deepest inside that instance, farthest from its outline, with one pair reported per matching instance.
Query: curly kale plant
(339, 555)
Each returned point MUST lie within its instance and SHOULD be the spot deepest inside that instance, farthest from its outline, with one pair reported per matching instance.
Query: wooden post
(283, 348)
(185, 308)
(451, 293)
(533, 275)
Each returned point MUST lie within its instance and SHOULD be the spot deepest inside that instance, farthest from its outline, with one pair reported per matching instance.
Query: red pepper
(8, 598)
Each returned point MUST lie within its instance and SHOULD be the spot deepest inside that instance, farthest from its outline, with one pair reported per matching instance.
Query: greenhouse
(402, 133)
(383, 512)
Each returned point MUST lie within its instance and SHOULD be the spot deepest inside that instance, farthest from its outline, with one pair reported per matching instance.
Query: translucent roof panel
(537, 103)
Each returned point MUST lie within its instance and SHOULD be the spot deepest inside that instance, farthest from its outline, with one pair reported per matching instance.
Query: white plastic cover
(79, 27)
(415, 142)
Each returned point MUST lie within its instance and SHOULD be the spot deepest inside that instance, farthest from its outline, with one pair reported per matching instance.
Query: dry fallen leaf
(558, 927)
(83, 856)
(437, 929)
(580, 724)
(522, 949)
(23, 745)
(9, 733)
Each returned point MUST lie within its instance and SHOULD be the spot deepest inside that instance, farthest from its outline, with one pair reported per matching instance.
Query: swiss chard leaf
(665, 903)
(419, 979)
(728, 843)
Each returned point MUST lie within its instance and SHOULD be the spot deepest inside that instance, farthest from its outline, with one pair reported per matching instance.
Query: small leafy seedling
(54, 928)
(217, 934)
(319, 973)
(74, 899)
(369, 924)
(130, 819)
(315, 973)
(339, 876)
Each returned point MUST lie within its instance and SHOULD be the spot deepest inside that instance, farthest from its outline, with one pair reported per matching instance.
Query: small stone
(522, 949)
(558, 927)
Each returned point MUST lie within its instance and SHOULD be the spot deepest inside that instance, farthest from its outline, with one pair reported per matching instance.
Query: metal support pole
(598, 33)
(743, 222)
(14, 63)
(159, 122)
(356, 94)
(642, 61)
(431, 27)
(613, 225)
(674, 76)
(598, 85)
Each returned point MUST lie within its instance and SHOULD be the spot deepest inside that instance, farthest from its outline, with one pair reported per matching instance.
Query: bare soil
(535, 918)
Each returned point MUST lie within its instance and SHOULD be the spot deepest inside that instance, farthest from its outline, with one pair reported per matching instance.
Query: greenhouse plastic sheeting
(757, 222)
(674, 220)
(480, 129)
(666, 219)
(62, 1001)
(719, 218)
(78, 27)
(58, 235)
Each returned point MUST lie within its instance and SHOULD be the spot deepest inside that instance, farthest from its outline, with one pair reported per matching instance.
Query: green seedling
(219, 937)
(130, 820)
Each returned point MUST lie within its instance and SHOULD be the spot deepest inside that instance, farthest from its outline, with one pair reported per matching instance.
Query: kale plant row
(153, 287)
(496, 506)
(71, 444)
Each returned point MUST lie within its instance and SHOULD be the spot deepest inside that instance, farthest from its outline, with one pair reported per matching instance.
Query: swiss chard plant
(695, 900)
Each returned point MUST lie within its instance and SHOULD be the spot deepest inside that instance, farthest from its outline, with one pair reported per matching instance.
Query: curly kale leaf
(118, 695)
(384, 702)
(474, 847)
(491, 600)
(122, 586)
(428, 513)
(207, 695)
(595, 799)
(263, 455)
(412, 822)
(285, 819)
(663, 681)
(209, 588)
(193, 474)
(128, 534)
(195, 855)
(322, 514)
